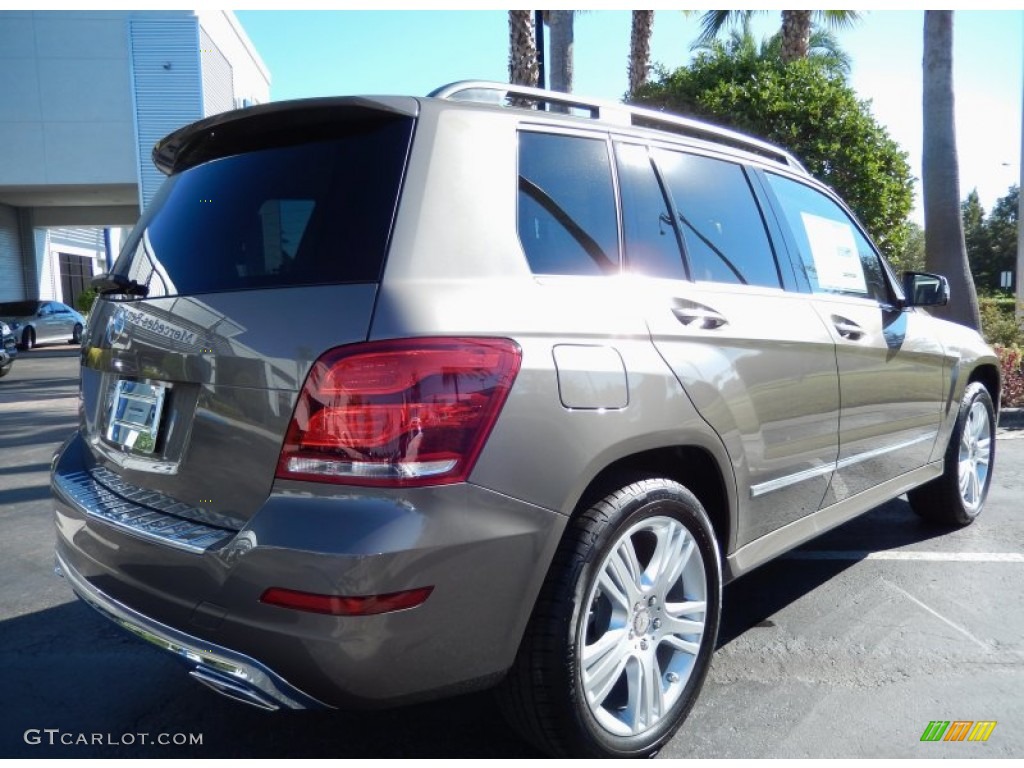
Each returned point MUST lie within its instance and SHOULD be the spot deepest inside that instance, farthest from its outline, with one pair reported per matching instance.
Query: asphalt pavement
(847, 647)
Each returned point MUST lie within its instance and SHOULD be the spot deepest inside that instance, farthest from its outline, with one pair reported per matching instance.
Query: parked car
(390, 398)
(8, 349)
(42, 322)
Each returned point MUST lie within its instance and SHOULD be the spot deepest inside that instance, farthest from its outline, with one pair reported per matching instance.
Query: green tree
(809, 108)
(945, 251)
(1001, 227)
(979, 250)
(909, 258)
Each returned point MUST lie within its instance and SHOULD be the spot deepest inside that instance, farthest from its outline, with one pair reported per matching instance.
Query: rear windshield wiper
(109, 283)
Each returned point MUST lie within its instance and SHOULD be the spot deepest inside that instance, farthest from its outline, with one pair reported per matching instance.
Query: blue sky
(319, 53)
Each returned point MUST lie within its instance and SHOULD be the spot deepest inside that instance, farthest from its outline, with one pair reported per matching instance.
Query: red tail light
(398, 413)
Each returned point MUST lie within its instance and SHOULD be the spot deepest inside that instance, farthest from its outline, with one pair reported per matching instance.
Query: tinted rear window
(306, 214)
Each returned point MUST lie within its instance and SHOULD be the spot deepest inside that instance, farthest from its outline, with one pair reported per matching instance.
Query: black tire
(544, 696)
(5, 369)
(76, 334)
(957, 496)
(28, 339)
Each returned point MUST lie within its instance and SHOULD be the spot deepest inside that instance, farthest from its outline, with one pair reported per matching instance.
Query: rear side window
(304, 214)
(652, 241)
(567, 217)
(835, 256)
(724, 233)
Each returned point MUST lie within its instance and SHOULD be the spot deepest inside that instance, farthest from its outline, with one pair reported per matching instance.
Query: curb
(1011, 418)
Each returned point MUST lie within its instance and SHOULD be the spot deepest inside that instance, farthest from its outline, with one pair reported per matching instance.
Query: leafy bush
(999, 321)
(85, 301)
(1013, 377)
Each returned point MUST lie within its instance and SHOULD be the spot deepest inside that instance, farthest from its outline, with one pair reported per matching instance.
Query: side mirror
(922, 289)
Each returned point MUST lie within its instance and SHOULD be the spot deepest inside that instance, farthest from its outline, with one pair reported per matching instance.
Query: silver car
(42, 322)
(391, 398)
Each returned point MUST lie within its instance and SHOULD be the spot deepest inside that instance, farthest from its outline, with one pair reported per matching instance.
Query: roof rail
(612, 112)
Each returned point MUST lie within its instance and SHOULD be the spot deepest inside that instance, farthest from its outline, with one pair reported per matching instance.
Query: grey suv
(393, 398)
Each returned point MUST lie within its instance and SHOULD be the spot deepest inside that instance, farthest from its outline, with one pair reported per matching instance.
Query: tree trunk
(640, 50)
(561, 23)
(945, 252)
(796, 35)
(522, 49)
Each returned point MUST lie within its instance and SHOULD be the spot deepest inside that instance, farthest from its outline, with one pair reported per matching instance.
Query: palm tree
(740, 44)
(522, 49)
(640, 50)
(560, 24)
(945, 252)
(796, 27)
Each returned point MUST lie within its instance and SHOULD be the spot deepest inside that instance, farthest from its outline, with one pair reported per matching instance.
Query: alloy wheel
(644, 625)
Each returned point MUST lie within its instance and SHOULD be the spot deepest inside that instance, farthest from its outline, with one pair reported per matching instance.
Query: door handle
(847, 328)
(699, 317)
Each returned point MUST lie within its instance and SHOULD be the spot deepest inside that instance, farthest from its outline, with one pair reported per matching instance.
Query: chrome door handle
(847, 328)
(699, 317)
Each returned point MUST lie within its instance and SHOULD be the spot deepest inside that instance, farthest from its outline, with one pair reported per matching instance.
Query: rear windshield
(304, 214)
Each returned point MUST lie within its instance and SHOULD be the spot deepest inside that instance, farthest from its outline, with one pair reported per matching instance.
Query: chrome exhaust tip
(233, 688)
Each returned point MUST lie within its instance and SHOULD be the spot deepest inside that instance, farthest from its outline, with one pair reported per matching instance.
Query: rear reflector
(335, 605)
(398, 413)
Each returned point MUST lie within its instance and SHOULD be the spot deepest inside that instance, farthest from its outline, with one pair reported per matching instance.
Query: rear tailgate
(262, 251)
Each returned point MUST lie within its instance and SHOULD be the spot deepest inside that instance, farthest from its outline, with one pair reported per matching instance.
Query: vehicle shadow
(751, 600)
(67, 668)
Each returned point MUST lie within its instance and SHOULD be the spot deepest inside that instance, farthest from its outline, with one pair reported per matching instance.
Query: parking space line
(944, 557)
(938, 615)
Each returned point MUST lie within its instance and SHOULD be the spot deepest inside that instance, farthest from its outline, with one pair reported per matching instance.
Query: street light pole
(1020, 224)
(1020, 220)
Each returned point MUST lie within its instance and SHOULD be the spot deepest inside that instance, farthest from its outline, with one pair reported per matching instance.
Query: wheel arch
(988, 376)
(691, 466)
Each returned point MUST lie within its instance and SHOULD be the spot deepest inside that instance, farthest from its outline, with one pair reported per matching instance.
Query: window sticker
(834, 251)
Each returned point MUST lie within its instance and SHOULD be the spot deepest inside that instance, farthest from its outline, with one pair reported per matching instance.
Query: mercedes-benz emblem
(116, 334)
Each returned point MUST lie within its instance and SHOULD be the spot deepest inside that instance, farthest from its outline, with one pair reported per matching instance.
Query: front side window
(567, 217)
(834, 255)
(720, 220)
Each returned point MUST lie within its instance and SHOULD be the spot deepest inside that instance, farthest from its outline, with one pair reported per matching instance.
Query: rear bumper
(484, 554)
(228, 672)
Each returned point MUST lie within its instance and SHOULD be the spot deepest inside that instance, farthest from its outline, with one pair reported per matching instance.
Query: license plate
(134, 418)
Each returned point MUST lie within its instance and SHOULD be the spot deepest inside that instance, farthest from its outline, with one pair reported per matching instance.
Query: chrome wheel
(975, 456)
(957, 496)
(643, 629)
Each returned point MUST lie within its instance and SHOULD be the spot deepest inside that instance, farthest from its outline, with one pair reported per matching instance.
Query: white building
(84, 96)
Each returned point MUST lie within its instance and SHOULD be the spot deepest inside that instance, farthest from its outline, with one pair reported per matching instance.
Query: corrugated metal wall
(218, 77)
(168, 87)
(82, 237)
(12, 272)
